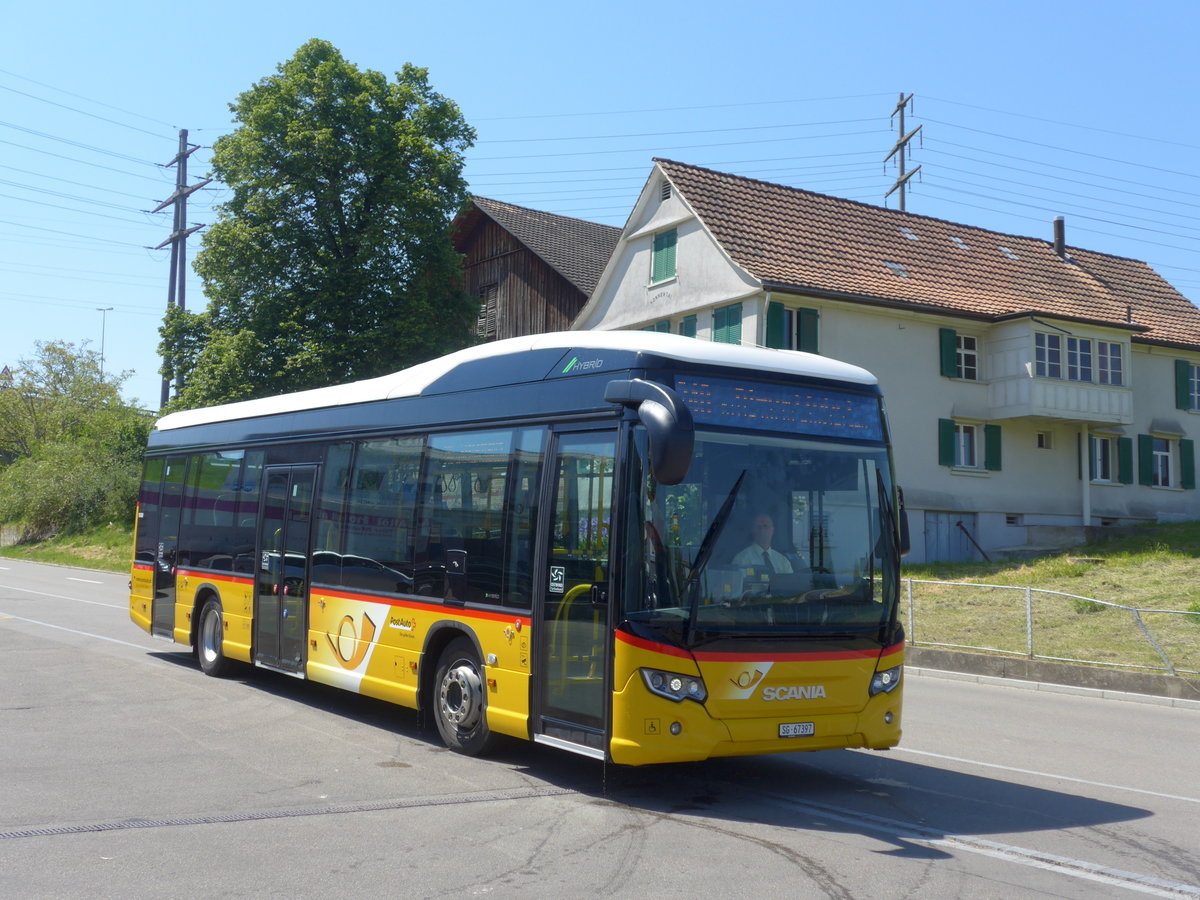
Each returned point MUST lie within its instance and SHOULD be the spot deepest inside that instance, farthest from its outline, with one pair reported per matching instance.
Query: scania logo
(795, 692)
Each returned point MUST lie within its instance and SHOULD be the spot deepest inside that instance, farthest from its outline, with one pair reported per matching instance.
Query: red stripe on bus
(742, 656)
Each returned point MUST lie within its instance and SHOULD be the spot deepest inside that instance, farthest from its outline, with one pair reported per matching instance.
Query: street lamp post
(104, 311)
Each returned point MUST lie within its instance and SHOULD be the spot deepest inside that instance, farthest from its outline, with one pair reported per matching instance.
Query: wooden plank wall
(531, 297)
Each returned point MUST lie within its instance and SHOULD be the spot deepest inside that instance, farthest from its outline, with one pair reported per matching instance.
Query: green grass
(109, 548)
(1155, 568)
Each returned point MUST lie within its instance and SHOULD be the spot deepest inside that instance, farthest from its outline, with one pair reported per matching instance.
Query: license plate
(796, 729)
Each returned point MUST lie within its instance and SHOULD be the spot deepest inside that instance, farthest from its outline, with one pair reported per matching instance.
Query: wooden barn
(532, 271)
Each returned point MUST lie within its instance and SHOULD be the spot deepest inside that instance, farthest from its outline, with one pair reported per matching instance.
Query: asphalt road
(124, 772)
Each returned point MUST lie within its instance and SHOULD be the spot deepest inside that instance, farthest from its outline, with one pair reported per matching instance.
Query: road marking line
(84, 580)
(1062, 865)
(8, 587)
(73, 631)
(1099, 784)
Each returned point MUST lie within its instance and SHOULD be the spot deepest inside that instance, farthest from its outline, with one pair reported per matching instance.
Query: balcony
(1055, 398)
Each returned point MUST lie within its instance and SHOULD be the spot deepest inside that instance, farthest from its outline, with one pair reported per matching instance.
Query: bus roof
(637, 349)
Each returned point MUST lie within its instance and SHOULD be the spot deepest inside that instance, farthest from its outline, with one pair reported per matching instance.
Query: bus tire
(209, 635)
(459, 700)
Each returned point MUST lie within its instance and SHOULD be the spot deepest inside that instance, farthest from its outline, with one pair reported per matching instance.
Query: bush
(66, 488)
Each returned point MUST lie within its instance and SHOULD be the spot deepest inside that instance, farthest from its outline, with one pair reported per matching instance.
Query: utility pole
(104, 311)
(177, 281)
(901, 149)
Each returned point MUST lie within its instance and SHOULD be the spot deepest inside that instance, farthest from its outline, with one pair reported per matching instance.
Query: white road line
(99, 637)
(9, 587)
(1062, 865)
(84, 580)
(1051, 775)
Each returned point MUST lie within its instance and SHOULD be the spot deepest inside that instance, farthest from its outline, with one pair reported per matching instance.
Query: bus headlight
(886, 681)
(674, 686)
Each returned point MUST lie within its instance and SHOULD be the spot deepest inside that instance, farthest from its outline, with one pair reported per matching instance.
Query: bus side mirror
(668, 421)
(905, 536)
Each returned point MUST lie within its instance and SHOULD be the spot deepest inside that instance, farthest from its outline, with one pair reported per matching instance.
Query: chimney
(1060, 229)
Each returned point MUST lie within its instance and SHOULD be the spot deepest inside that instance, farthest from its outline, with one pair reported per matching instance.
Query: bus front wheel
(209, 636)
(459, 702)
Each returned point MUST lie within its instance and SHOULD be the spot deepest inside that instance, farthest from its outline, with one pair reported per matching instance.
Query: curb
(1058, 678)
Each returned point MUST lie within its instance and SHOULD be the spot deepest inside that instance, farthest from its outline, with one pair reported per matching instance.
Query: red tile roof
(799, 241)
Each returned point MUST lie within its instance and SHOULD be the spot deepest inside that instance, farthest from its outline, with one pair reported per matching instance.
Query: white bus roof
(414, 381)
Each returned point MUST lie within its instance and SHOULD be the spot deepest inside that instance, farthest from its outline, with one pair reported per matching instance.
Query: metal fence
(1051, 625)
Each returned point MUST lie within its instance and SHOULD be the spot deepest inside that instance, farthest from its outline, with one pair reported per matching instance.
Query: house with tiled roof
(532, 271)
(1035, 389)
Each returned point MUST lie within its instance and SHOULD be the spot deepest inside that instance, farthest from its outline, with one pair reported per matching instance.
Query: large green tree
(332, 259)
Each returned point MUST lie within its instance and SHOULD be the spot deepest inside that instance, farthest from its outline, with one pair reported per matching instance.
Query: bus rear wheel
(209, 636)
(459, 703)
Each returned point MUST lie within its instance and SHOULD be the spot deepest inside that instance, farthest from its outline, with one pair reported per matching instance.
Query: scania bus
(637, 547)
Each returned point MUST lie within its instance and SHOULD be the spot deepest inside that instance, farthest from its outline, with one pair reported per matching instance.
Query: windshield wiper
(707, 546)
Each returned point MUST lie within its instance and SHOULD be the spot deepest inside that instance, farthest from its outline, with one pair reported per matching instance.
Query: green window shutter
(948, 347)
(727, 324)
(663, 327)
(945, 442)
(776, 323)
(1125, 460)
(991, 448)
(1078, 457)
(806, 330)
(1187, 464)
(687, 327)
(663, 265)
(1145, 459)
(1183, 387)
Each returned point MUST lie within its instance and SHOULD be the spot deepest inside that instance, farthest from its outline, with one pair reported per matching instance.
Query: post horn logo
(349, 639)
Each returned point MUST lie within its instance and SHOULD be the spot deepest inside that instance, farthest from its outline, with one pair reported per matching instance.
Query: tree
(70, 449)
(332, 260)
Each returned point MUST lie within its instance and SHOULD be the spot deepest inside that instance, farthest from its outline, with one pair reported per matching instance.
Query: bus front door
(572, 627)
(282, 579)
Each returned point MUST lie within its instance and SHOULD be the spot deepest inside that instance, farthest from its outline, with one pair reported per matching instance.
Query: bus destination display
(791, 409)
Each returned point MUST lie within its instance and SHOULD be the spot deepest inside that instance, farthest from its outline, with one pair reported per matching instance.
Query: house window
(727, 324)
(1047, 355)
(1166, 462)
(792, 329)
(1109, 367)
(687, 326)
(1102, 458)
(965, 440)
(1187, 385)
(1079, 359)
(662, 264)
(959, 354)
(485, 325)
(1045, 440)
(965, 445)
(663, 327)
(1161, 465)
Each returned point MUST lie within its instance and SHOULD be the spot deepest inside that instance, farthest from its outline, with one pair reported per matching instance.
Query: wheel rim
(460, 697)
(210, 636)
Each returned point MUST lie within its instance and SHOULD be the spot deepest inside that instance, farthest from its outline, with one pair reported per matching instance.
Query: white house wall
(704, 277)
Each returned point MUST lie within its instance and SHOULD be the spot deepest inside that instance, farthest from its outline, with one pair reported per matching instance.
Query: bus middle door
(281, 585)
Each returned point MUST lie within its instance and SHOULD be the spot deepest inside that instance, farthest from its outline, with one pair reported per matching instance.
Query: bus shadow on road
(914, 808)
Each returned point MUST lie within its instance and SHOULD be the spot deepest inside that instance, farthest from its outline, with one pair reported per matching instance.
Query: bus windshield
(766, 536)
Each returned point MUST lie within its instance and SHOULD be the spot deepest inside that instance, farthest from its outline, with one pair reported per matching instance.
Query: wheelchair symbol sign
(558, 579)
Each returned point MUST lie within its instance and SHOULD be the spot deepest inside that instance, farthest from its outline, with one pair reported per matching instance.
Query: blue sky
(1028, 110)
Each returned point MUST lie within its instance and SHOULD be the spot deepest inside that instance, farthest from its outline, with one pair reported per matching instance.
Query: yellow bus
(637, 547)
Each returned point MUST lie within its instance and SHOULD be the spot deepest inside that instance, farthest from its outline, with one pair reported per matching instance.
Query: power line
(88, 99)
